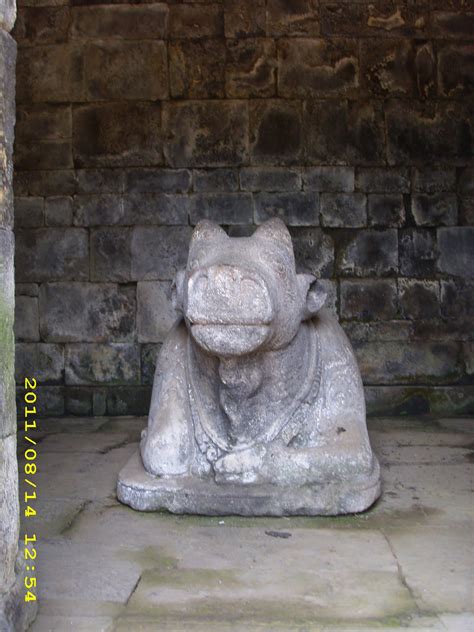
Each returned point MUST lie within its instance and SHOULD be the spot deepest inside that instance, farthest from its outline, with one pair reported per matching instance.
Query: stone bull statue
(258, 405)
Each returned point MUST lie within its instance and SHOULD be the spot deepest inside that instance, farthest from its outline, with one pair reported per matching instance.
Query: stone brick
(453, 24)
(318, 67)
(340, 210)
(44, 154)
(42, 25)
(29, 212)
(111, 255)
(216, 180)
(329, 179)
(52, 254)
(78, 401)
(435, 210)
(434, 180)
(159, 252)
(155, 208)
(466, 181)
(314, 251)
(244, 18)
(457, 299)
(41, 121)
(26, 289)
(369, 252)
(270, 179)
(466, 211)
(129, 400)
(197, 68)
(383, 180)
(52, 401)
(149, 354)
(342, 131)
(193, 21)
(456, 70)
(456, 251)
(100, 181)
(418, 298)
(158, 180)
(286, 17)
(155, 313)
(26, 319)
(386, 210)
(129, 22)
(250, 68)
(91, 364)
(37, 358)
(276, 131)
(61, 182)
(87, 312)
(226, 208)
(419, 400)
(109, 67)
(409, 362)
(384, 330)
(426, 133)
(418, 252)
(205, 133)
(117, 134)
(58, 211)
(295, 209)
(96, 210)
(369, 299)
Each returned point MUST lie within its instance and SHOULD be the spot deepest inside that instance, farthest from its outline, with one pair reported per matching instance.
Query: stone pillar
(15, 614)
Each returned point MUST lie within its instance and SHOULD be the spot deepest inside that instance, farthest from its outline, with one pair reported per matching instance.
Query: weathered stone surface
(244, 18)
(111, 254)
(457, 298)
(26, 319)
(455, 70)
(456, 251)
(434, 180)
(188, 21)
(42, 25)
(422, 133)
(197, 68)
(86, 312)
(343, 210)
(7, 15)
(329, 179)
(453, 24)
(52, 254)
(158, 253)
(44, 154)
(128, 400)
(276, 131)
(9, 510)
(250, 68)
(58, 211)
(370, 252)
(292, 18)
(230, 208)
(246, 330)
(129, 22)
(369, 299)
(216, 180)
(61, 182)
(439, 209)
(386, 210)
(117, 134)
(26, 289)
(43, 359)
(314, 252)
(43, 122)
(205, 133)
(383, 180)
(155, 313)
(317, 67)
(270, 179)
(158, 180)
(7, 357)
(418, 251)
(100, 181)
(466, 211)
(466, 181)
(149, 353)
(344, 132)
(116, 363)
(418, 298)
(155, 208)
(7, 115)
(296, 209)
(29, 212)
(98, 209)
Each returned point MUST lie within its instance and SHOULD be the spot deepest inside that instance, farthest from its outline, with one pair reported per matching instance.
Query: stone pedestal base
(16, 614)
(187, 495)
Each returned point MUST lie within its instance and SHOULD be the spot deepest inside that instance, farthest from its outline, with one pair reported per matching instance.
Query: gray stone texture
(134, 121)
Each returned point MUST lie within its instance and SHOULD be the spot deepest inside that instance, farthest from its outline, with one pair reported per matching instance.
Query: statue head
(240, 295)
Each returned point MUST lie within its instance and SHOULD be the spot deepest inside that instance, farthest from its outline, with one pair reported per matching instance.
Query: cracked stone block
(318, 67)
(91, 364)
(276, 131)
(58, 211)
(244, 18)
(228, 208)
(87, 312)
(197, 68)
(155, 312)
(314, 251)
(26, 319)
(35, 359)
(418, 252)
(158, 252)
(292, 18)
(370, 252)
(386, 210)
(329, 179)
(250, 69)
(439, 209)
(128, 22)
(418, 298)
(111, 254)
(215, 180)
(340, 210)
(456, 251)
(294, 208)
(434, 180)
(195, 22)
(369, 299)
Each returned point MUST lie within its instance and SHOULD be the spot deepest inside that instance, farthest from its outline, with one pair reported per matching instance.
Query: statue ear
(313, 295)
(177, 290)
(207, 231)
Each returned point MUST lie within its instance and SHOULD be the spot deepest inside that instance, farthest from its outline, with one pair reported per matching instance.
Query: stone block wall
(351, 120)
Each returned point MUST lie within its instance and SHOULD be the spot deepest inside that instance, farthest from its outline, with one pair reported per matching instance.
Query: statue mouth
(230, 338)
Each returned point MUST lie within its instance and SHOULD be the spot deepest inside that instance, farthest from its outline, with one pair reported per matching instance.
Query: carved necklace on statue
(226, 401)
